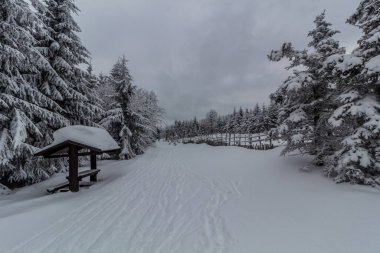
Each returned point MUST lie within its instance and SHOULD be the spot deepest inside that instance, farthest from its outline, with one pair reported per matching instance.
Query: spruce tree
(255, 119)
(358, 97)
(211, 121)
(195, 127)
(238, 117)
(271, 117)
(147, 115)
(66, 82)
(302, 97)
(24, 110)
(245, 122)
(120, 118)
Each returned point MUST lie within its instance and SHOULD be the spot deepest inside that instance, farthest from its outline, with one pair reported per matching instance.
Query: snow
(367, 106)
(373, 65)
(348, 97)
(295, 83)
(90, 136)
(343, 62)
(4, 190)
(374, 38)
(195, 198)
(297, 138)
(297, 116)
(31, 6)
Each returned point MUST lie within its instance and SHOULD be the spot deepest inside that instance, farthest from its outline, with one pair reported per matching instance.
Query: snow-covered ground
(195, 198)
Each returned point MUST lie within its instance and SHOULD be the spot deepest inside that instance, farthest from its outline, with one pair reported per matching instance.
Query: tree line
(243, 121)
(329, 106)
(43, 87)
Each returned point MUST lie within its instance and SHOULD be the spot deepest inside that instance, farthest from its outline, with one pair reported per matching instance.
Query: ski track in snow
(159, 206)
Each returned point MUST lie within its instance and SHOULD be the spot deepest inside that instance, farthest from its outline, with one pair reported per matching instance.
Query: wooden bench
(64, 187)
(88, 173)
(58, 187)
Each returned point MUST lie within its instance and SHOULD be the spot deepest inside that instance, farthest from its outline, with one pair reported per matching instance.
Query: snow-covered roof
(91, 137)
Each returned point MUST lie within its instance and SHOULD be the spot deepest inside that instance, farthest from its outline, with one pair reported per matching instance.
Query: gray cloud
(204, 54)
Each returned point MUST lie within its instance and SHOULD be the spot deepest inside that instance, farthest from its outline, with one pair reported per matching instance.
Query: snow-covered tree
(237, 120)
(105, 91)
(245, 122)
(118, 118)
(125, 137)
(211, 121)
(270, 117)
(254, 120)
(229, 127)
(147, 116)
(195, 127)
(25, 112)
(303, 96)
(132, 115)
(358, 116)
(66, 82)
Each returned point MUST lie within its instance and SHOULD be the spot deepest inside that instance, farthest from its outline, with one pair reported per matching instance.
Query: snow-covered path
(196, 198)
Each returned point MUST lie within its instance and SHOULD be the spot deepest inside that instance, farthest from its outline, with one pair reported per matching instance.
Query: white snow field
(195, 198)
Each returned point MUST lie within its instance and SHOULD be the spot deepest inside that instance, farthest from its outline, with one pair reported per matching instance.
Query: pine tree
(220, 125)
(211, 121)
(229, 128)
(238, 117)
(244, 128)
(92, 83)
(358, 116)
(106, 91)
(195, 127)
(118, 119)
(255, 119)
(271, 117)
(24, 110)
(147, 114)
(65, 82)
(302, 97)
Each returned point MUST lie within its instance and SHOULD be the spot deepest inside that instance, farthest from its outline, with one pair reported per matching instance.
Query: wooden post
(260, 141)
(93, 178)
(73, 168)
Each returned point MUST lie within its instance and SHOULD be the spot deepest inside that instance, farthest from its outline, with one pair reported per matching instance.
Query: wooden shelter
(75, 141)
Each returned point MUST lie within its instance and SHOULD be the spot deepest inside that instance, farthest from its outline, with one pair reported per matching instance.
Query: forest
(328, 107)
(47, 82)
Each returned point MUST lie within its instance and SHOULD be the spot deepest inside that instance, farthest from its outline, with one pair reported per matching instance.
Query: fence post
(260, 141)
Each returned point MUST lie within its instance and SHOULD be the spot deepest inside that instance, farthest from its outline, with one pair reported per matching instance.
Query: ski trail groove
(160, 206)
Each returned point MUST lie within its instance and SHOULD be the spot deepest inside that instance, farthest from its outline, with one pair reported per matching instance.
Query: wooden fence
(251, 141)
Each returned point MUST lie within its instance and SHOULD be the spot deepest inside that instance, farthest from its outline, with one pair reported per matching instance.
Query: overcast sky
(199, 55)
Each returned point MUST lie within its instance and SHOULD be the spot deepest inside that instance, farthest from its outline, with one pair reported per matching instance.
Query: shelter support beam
(73, 168)
(94, 177)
